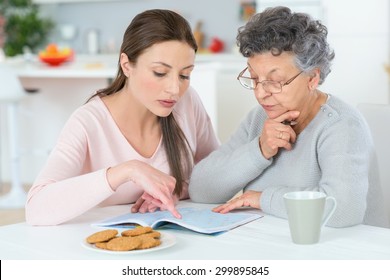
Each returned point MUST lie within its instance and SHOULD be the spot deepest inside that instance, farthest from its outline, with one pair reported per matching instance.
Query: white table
(265, 238)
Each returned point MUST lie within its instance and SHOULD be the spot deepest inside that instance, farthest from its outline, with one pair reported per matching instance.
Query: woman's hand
(248, 199)
(143, 205)
(157, 184)
(277, 135)
(147, 203)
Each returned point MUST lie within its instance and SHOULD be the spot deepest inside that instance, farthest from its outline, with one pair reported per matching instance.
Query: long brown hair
(146, 29)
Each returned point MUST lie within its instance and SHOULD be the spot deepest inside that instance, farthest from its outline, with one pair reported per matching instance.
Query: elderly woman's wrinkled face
(293, 96)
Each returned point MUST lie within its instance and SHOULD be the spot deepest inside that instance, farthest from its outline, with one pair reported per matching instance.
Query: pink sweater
(74, 177)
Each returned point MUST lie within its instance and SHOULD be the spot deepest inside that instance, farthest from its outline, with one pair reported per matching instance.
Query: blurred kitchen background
(358, 32)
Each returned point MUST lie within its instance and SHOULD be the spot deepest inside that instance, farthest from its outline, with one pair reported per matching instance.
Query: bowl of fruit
(55, 56)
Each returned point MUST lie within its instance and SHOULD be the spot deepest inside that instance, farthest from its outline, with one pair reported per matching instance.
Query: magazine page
(199, 220)
(131, 219)
(209, 222)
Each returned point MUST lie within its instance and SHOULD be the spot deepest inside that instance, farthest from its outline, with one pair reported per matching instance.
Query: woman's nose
(260, 92)
(173, 85)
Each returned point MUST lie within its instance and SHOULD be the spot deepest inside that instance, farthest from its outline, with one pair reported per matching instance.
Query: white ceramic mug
(305, 211)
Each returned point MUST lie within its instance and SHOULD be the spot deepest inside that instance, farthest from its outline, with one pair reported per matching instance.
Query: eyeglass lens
(269, 86)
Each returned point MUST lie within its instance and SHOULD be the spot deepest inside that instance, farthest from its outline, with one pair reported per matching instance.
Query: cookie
(154, 234)
(102, 236)
(123, 244)
(137, 231)
(135, 239)
(147, 242)
(101, 245)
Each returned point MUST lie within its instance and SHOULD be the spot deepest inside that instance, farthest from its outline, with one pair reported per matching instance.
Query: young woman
(136, 140)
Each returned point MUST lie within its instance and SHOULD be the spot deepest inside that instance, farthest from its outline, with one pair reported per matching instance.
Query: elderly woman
(299, 138)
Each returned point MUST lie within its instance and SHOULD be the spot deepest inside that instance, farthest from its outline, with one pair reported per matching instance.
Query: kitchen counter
(83, 66)
(105, 65)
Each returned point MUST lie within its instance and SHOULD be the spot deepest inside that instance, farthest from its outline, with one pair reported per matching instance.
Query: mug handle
(327, 217)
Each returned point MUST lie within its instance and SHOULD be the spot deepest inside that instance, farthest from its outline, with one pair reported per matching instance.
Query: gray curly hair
(277, 30)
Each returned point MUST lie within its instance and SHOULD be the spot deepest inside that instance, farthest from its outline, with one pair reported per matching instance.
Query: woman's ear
(125, 64)
(314, 79)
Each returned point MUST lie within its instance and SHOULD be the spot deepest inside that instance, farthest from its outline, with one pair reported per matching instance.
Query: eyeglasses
(272, 87)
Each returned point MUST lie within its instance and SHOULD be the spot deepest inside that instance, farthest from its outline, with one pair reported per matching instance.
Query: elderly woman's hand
(248, 199)
(277, 135)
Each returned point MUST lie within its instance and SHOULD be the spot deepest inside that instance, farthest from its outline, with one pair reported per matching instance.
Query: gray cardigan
(333, 154)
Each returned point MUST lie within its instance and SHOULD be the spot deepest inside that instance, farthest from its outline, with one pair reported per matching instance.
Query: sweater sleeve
(229, 169)
(344, 151)
(66, 188)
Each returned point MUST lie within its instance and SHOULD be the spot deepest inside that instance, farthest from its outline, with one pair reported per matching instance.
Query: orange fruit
(52, 49)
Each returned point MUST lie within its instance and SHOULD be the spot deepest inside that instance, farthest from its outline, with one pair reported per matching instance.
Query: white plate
(167, 240)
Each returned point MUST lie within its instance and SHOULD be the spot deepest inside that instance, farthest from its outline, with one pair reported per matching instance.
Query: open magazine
(199, 220)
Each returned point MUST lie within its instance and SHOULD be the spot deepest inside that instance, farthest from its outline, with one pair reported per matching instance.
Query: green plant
(23, 26)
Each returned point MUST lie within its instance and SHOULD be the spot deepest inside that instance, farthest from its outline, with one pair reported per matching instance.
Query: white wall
(219, 17)
(359, 33)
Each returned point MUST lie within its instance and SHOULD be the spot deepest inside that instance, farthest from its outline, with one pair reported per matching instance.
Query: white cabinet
(225, 100)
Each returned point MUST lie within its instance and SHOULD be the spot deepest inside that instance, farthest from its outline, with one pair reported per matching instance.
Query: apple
(216, 45)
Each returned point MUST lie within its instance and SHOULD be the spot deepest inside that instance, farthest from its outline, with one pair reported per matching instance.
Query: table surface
(265, 238)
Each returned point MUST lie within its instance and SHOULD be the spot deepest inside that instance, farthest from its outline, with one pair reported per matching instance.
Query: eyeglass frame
(289, 81)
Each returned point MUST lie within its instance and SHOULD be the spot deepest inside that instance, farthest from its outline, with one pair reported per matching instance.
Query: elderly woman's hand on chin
(247, 199)
(277, 135)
